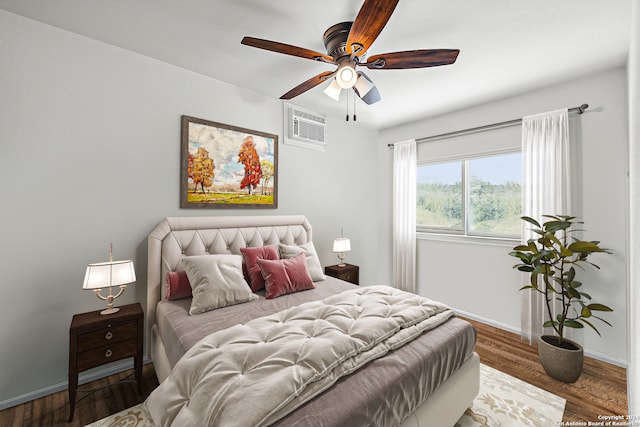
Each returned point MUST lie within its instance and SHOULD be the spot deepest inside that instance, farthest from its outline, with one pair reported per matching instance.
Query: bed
(430, 380)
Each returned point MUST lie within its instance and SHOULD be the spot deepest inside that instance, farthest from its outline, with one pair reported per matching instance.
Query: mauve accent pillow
(285, 276)
(177, 286)
(311, 257)
(216, 281)
(250, 266)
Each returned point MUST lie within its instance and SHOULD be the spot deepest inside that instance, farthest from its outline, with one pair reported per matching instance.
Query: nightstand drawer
(105, 354)
(106, 336)
(349, 276)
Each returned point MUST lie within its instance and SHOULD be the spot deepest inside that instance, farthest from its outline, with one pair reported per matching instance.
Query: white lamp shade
(362, 86)
(341, 244)
(333, 90)
(106, 274)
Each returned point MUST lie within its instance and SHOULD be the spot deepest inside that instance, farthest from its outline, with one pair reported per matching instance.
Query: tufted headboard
(176, 237)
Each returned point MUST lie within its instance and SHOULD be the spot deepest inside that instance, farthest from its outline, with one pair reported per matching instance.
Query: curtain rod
(508, 123)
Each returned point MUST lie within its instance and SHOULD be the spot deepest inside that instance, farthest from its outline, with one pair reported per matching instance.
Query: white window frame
(448, 234)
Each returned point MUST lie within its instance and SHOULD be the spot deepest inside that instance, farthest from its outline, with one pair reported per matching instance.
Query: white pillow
(216, 281)
(309, 251)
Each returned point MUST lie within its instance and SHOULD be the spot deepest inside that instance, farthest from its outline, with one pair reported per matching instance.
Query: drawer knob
(108, 353)
(109, 335)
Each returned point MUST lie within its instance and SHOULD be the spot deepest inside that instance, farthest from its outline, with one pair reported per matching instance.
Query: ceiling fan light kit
(363, 85)
(346, 76)
(347, 44)
(333, 90)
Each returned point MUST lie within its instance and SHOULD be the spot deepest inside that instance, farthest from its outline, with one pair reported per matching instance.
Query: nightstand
(96, 339)
(348, 273)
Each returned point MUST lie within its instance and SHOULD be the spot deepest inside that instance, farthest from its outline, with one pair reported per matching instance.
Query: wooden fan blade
(305, 86)
(412, 59)
(287, 49)
(371, 19)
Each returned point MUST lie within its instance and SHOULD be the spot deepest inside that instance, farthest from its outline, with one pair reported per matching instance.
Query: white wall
(633, 373)
(89, 154)
(477, 278)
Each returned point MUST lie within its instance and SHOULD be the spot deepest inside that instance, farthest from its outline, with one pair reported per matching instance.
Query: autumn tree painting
(200, 169)
(248, 156)
(224, 166)
(267, 174)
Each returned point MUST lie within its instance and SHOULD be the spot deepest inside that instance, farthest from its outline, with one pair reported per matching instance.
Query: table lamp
(108, 274)
(341, 246)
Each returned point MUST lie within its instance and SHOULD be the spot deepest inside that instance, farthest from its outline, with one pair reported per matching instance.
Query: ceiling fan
(347, 44)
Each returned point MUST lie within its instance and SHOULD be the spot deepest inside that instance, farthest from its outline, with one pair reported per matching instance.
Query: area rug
(503, 401)
(507, 401)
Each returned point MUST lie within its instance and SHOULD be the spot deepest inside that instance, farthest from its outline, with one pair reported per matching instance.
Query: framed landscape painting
(225, 166)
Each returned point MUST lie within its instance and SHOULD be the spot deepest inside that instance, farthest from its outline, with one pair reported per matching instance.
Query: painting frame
(233, 167)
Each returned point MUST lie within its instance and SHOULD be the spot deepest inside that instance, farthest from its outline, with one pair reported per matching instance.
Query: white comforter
(256, 373)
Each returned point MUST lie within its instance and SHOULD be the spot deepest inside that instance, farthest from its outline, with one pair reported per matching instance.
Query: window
(476, 197)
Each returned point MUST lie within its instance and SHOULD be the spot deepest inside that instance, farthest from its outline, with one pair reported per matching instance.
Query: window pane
(439, 196)
(495, 195)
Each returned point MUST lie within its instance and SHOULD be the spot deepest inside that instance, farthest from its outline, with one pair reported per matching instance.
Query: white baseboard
(510, 328)
(83, 378)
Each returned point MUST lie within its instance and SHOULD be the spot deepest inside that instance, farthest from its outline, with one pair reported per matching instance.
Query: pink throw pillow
(177, 285)
(250, 267)
(285, 276)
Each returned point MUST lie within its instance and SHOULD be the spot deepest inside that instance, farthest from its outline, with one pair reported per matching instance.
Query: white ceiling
(506, 46)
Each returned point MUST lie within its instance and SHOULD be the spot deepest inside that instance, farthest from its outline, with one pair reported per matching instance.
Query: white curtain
(404, 215)
(546, 181)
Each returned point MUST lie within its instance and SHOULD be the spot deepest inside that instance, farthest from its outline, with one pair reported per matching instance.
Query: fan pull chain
(347, 117)
(354, 108)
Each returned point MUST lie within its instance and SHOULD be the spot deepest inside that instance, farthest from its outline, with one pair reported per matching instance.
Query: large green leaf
(537, 257)
(552, 216)
(521, 248)
(585, 312)
(573, 324)
(585, 295)
(584, 247)
(553, 226)
(530, 220)
(565, 252)
(570, 274)
(525, 257)
(599, 307)
(550, 323)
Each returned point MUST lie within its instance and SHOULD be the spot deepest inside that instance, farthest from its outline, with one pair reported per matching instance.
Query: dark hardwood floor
(600, 391)
(53, 410)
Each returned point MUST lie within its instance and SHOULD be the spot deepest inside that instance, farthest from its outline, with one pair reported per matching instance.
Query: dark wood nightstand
(96, 339)
(348, 273)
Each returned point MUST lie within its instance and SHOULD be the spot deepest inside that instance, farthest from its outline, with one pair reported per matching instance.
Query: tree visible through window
(480, 196)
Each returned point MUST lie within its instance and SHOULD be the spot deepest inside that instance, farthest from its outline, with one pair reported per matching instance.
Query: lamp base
(341, 257)
(109, 310)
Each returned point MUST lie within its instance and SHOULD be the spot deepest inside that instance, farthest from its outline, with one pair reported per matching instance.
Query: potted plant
(551, 259)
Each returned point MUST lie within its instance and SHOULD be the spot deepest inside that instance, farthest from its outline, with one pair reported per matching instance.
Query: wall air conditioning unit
(304, 128)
